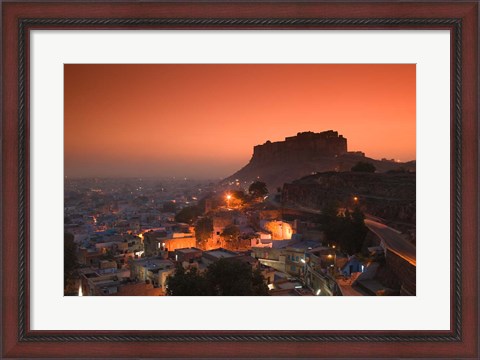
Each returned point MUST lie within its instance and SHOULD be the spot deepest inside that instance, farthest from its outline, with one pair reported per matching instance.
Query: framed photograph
(239, 149)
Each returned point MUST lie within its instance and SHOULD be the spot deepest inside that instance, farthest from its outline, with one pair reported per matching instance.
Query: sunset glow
(202, 121)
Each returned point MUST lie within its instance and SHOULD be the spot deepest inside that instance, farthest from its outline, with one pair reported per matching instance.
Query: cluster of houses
(140, 265)
(128, 247)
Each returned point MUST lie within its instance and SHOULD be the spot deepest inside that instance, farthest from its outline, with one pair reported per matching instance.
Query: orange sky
(203, 120)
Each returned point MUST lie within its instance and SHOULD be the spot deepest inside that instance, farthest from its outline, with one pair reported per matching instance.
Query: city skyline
(202, 121)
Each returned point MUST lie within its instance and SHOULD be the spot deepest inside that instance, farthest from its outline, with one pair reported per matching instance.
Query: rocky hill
(276, 163)
(390, 196)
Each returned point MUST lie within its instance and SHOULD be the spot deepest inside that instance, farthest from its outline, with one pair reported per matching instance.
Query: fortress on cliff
(306, 153)
(304, 145)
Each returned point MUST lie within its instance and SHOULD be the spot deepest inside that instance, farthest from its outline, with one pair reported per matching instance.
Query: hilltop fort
(308, 145)
(306, 153)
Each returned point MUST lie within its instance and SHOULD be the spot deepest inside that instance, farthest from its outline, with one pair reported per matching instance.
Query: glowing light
(329, 256)
(355, 198)
(302, 260)
(333, 246)
(318, 292)
(80, 292)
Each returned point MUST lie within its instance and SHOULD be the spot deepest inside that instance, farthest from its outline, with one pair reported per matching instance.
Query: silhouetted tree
(203, 230)
(259, 285)
(225, 277)
(229, 277)
(238, 198)
(230, 232)
(348, 231)
(239, 194)
(258, 189)
(363, 166)
(329, 220)
(357, 231)
(187, 283)
(70, 263)
(188, 214)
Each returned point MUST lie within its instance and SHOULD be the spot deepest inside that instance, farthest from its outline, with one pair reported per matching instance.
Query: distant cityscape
(304, 217)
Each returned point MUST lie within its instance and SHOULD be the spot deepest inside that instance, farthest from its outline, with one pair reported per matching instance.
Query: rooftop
(305, 245)
(188, 250)
(153, 263)
(221, 253)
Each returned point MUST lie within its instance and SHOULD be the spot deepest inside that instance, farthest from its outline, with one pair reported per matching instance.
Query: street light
(334, 256)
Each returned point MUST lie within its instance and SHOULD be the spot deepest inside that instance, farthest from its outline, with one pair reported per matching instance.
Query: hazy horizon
(202, 121)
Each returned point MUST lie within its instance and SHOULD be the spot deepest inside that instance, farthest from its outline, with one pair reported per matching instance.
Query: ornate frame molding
(285, 23)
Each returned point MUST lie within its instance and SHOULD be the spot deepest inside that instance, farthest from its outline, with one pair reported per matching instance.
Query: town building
(154, 270)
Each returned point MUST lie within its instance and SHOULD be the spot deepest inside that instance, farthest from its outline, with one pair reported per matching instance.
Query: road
(391, 237)
(393, 240)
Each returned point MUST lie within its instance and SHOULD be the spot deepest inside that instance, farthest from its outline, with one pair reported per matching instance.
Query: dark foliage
(70, 263)
(203, 229)
(258, 189)
(188, 214)
(225, 277)
(231, 232)
(363, 166)
(239, 195)
(187, 283)
(348, 231)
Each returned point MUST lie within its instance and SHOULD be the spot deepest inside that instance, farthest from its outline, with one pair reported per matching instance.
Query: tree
(187, 283)
(238, 198)
(70, 263)
(258, 189)
(239, 194)
(258, 283)
(231, 235)
(353, 232)
(363, 166)
(225, 277)
(348, 231)
(231, 232)
(188, 214)
(203, 229)
(329, 220)
(358, 230)
(230, 277)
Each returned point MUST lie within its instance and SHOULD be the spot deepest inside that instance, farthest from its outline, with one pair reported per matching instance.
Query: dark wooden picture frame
(460, 18)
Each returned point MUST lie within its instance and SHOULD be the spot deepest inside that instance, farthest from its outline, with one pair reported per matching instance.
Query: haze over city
(240, 180)
(202, 121)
